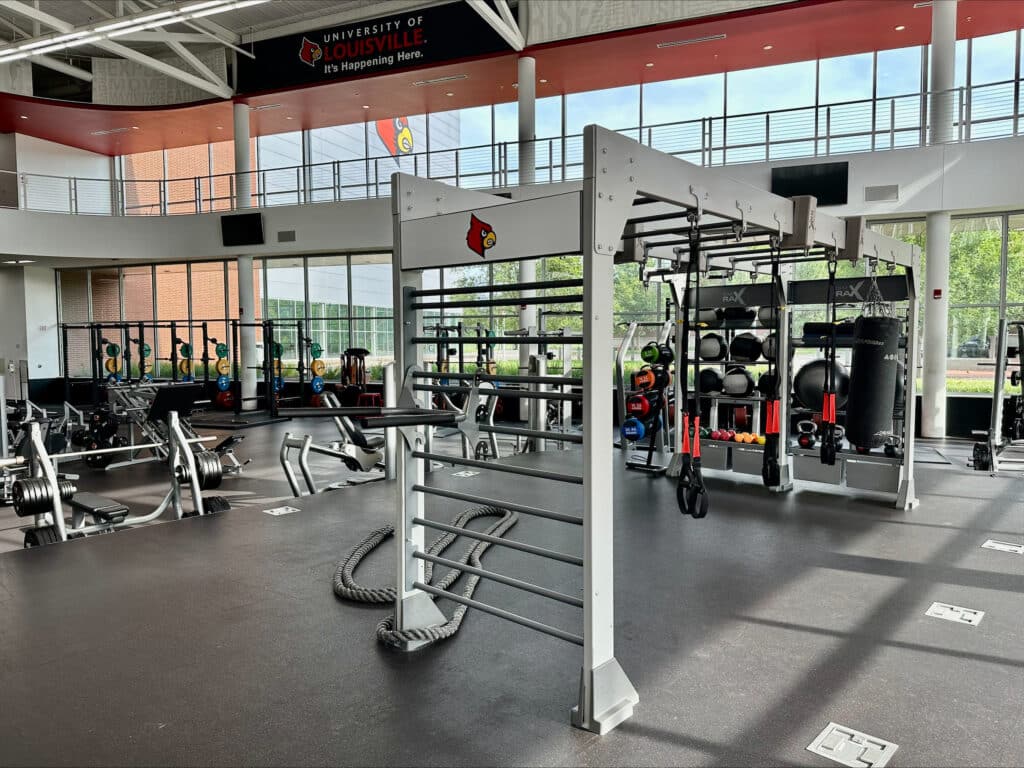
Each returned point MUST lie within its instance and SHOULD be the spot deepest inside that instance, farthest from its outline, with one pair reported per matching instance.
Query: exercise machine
(1002, 449)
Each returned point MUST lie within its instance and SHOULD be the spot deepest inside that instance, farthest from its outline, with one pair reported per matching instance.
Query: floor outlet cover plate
(278, 511)
(955, 613)
(465, 473)
(1004, 546)
(849, 747)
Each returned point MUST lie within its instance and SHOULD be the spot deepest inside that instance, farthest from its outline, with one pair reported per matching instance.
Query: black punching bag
(873, 369)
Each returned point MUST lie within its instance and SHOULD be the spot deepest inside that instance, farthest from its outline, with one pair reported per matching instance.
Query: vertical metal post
(391, 434)
(892, 123)
(1016, 85)
(336, 176)
(4, 447)
(606, 696)
(828, 131)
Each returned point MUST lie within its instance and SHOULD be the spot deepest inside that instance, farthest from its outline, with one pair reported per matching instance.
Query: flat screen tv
(242, 229)
(828, 182)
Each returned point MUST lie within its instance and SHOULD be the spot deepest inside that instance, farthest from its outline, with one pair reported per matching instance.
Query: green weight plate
(221, 350)
(185, 350)
(315, 350)
(113, 350)
(146, 350)
(278, 349)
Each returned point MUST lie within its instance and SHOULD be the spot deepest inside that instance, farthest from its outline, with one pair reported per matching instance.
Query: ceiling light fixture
(543, 80)
(899, 27)
(263, 107)
(449, 93)
(288, 117)
(109, 131)
(366, 106)
(83, 35)
(767, 47)
(705, 39)
(649, 64)
(20, 261)
(23, 117)
(436, 80)
(926, 4)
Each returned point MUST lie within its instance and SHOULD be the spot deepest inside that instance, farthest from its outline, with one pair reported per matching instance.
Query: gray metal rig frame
(625, 185)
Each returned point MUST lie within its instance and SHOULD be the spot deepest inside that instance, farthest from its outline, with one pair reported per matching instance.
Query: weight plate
(277, 367)
(315, 350)
(185, 350)
(223, 383)
(147, 377)
(225, 400)
(185, 367)
(278, 349)
(146, 350)
(318, 367)
(112, 364)
(221, 350)
(187, 379)
(278, 383)
(113, 350)
(223, 367)
(114, 378)
(317, 384)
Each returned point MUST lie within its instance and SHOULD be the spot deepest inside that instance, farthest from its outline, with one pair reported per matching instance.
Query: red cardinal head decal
(396, 135)
(480, 236)
(310, 52)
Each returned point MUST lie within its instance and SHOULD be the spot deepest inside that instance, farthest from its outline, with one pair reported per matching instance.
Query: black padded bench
(100, 507)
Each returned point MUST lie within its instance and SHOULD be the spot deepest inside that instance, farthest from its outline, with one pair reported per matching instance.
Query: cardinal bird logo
(395, 135)
(480, 238)
(310, 52)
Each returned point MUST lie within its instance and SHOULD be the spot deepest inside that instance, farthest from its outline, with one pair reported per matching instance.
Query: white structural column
(943, 103)
(246, 290)
(936, 301)
(527, 268)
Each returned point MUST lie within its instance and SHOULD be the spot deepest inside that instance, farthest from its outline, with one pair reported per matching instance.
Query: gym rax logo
(481, 236)
(735, 298)
(853, 292)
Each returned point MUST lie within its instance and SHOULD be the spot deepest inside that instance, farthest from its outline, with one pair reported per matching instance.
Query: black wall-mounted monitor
(829, 182)
(242, 229)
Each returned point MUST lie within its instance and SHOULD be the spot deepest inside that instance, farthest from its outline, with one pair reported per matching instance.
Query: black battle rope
(691, 495)
(828, 400)
(771, 473)
(346, 587)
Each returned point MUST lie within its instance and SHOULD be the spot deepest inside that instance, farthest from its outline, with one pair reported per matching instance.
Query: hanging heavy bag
(872, 381)
(745, 348)
(712, 347)
(711, 380)
(738, 382)
(711, 318)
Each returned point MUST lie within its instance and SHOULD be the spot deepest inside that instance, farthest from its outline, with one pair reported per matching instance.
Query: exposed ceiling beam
(216, 88)
(196, 63)
(324, 20)
(210, 27)
(155, 36)
(509, 32)
(49, 61)
(98, 8)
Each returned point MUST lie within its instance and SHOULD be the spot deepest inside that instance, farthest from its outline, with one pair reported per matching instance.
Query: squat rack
(624, 186)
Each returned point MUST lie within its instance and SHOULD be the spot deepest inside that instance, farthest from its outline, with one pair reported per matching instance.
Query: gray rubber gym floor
(218, 641)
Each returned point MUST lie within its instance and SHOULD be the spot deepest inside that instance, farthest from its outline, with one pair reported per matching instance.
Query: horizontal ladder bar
(563, 437)
(503, 392)
(509, 302)
(515, 507)
(500, 578)
(515, 618)
(507, 468)
(497, 288)
(549, 554)
(511, 377)
(498, 340)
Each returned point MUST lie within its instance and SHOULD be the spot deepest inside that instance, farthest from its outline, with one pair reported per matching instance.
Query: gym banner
(849, 290)
(373, 46)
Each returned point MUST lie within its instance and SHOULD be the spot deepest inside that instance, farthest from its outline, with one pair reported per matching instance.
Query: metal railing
(975, 113)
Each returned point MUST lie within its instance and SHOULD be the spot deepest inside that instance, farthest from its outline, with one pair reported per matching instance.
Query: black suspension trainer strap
(828, 402)
(771, 473)
(683, 369)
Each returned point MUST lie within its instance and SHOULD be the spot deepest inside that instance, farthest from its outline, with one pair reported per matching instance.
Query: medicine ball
(633, 429)
(710, 318)
(764, 317)
(712, 347)
(809, 384)
(739, 382)
(653, 352)
(768, 346)
(766, 384)
(745, 348)
(740, 317)
(711, 380)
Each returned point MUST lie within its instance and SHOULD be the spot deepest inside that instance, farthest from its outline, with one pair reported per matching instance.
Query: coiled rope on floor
(347, 588)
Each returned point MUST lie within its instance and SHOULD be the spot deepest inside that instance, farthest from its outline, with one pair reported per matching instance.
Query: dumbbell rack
(744, 458)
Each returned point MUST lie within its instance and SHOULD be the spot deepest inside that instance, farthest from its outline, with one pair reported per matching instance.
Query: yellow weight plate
(112, 365)
(277, 366)
(185, 367)
(223, 367)
(318, 367)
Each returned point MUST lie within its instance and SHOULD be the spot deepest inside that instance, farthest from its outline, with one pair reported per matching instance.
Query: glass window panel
(208, 305)
(171, 304)
(975, 260)
(899, 72)
(784, 86)
(1015, 263)
(347, 145)
(74, 308)
(286, 302)
(396, 144)
(328, 303)
(685, 101)
(614, 108)
(184, 165)
(279, 181)
(142, 173)
(992, 57)
(372, 304)
(471, 130)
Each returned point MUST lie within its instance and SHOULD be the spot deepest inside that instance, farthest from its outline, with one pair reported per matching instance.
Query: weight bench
(99, 507)
(228, 443)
